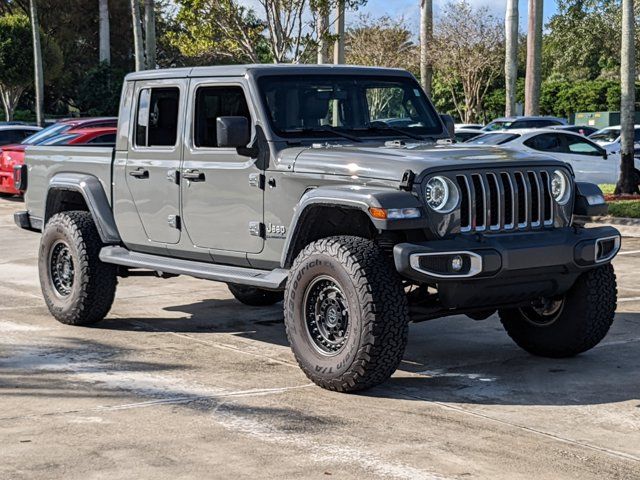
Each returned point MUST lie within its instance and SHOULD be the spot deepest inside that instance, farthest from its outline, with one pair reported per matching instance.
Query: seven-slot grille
(505, 200)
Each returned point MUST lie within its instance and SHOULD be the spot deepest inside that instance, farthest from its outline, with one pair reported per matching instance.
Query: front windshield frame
(387, 129)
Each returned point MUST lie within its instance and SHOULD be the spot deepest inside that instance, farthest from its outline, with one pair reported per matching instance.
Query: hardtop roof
(262, 69)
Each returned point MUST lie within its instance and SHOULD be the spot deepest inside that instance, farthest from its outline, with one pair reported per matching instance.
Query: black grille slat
(505, 200)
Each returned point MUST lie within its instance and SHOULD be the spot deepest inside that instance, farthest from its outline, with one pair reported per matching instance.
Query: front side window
(581, 147)
(605, 135)
(212, 103)
(359, 105)
(157, 117)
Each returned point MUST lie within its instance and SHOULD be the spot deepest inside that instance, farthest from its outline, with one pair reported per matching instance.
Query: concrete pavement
(182, 381)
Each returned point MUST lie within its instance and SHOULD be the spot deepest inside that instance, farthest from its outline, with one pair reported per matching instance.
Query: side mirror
(449, 124)
(233, 132)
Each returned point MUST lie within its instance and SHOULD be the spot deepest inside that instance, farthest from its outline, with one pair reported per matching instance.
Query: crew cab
(335, 190)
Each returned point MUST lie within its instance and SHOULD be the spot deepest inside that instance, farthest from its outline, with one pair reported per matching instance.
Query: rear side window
(548, 142)
(106, 138)
(157, 117)
(214, 102)
(13, 136)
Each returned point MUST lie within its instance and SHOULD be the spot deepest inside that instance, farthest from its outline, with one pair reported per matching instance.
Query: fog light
(457, 263)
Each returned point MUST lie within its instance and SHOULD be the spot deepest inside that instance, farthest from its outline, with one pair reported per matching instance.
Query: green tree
(99, 92)
(16, 58)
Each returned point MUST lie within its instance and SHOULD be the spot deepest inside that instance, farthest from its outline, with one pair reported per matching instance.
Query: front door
(222, 203)
(154, 159)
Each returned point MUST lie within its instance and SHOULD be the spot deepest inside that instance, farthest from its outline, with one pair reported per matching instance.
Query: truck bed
(44, 162)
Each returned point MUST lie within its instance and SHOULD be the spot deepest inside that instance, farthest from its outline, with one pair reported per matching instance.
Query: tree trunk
(10, 98)
(534, 59)
(138, 44)
(426, 38)
(150, 32)
(338, 48)
(38, 72)
(511, 56)
(104, 35)
(323, 30)
(627, 183)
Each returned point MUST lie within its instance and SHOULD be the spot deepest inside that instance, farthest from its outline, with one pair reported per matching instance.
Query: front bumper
(501, 269)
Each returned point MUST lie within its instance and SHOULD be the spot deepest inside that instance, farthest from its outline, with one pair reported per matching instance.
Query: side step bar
(267, 279)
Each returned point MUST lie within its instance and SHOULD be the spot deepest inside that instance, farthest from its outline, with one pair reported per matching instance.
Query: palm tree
(628, 181)
(105, 48)
(138, 44)
(511, 56)
(426, 37)
(322, 21)
(37, 63)
(338, 48)
(150, 32)
(534, 59)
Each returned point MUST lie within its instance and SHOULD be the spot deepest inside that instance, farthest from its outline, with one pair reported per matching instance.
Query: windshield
(493, 139)
(48, 132)
(606, 135)
(497, 125)
(360, 106)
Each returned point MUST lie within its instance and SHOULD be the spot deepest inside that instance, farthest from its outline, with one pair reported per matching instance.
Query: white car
(15, 133)
(468, 126)
(590, 162)
(609, 138)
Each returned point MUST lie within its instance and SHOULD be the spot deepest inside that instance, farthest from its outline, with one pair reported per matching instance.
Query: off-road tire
(378, 313)
(255, 297)
(94, 284)
(584, 320)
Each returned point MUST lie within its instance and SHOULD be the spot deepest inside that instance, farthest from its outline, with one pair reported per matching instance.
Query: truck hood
(386, 162)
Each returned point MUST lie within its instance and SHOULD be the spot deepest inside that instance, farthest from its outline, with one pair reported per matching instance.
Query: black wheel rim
(326, 315)
(61, 269)
(543, 312)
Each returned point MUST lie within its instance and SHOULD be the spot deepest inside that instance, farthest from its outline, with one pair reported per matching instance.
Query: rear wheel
(568, 325)
(255, 297)
(346, 314)
(78, 288)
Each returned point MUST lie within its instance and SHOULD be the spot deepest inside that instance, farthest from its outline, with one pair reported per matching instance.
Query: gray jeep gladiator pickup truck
(334, 189)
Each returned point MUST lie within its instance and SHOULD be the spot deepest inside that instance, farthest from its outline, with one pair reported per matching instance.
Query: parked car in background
(104, 136)
(15, 133)
(512, 123)
(583, 130)
(13, 154)
(609, 139)
(590, 162)
(468, 126)
(463, 134)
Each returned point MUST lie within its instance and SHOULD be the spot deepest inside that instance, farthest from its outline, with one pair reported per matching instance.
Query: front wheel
(78, 288)
(346, 314)
(568, 325)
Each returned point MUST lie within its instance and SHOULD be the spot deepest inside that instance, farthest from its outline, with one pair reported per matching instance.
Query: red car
(11, 155)
(82, 136)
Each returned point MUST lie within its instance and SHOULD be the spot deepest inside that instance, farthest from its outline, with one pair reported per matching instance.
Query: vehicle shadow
(452, 360)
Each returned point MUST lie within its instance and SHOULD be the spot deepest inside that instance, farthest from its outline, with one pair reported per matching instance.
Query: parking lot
(182, 381)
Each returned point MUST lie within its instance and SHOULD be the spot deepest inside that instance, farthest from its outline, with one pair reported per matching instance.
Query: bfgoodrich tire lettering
(378, 313)
(581, 323)
(82, 292)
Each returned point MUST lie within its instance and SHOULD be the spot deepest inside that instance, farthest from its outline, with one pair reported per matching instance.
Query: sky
(410, 9)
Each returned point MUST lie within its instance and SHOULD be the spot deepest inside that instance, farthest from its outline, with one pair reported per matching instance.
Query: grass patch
(607, 188)
(625, 208)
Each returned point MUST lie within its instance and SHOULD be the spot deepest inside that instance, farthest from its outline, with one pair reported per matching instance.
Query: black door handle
(193, 175)
(140, 173)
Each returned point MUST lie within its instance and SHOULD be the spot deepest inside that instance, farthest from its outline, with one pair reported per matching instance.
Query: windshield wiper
(328, 128)
(388, 128)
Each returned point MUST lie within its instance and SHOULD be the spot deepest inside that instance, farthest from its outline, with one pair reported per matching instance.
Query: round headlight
(560, 189)
(441, 194)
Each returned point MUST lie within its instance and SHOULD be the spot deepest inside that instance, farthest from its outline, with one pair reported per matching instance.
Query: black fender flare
(358, 198)
(94, 196)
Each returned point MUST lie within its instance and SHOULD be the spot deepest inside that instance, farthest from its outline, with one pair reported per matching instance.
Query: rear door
(222, 198)
(154, 158)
